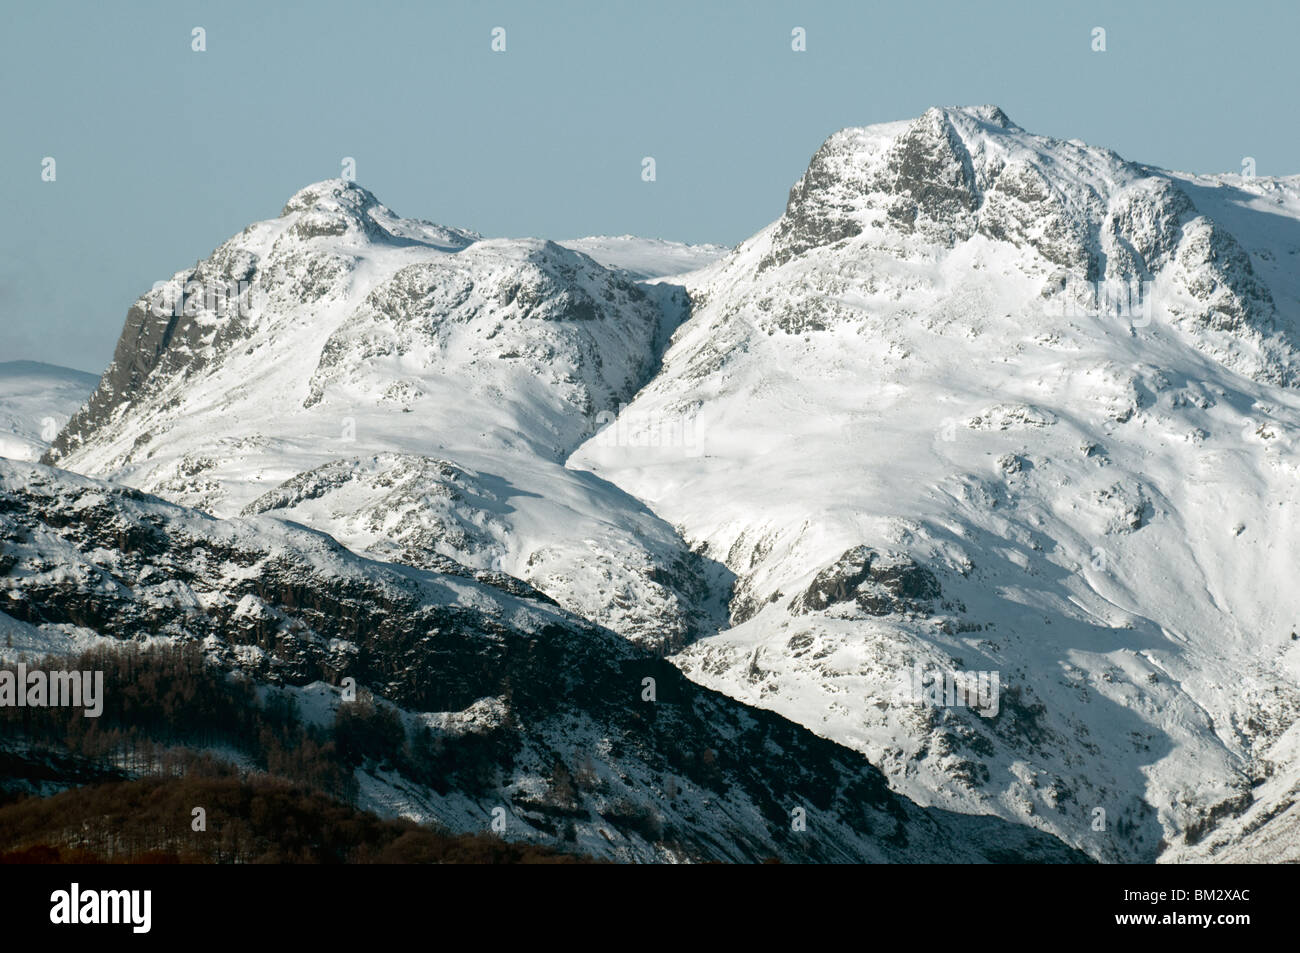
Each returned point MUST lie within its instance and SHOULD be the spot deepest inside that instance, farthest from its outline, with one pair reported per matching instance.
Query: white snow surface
(421, 389)
(36, 401)
(646, 257)
(1108, 503)
(916, 363)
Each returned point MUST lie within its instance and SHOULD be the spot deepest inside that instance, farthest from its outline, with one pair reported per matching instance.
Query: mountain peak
(331, 195)
(339, 208)
(1074, 214)
(990, 114)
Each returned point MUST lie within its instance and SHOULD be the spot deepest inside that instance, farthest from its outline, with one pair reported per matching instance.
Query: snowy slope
(1268, 829)
(646, 257)
(980, 402)
(412, 390)
(528, 708)
(36, 401)
(990, 402)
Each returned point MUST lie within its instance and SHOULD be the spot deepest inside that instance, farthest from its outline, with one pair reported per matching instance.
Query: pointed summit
(331, 195)
(988, 113)
(339, 207)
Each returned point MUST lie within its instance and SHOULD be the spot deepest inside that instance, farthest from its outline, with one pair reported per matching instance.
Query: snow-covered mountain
(980, 402)
(529, 708)
(36, 401)
(411, 389)
(990, 402)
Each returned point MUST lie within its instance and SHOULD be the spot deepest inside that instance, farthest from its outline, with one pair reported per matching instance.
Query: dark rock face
(1224, 281)
(1144, 227)
(128, 571)
(166, 334)
(171, 333)
(932, 180)
(816, 214)
(877, 585)
(1023, 208)
(926, 184)
(837, 582)
(290, 606)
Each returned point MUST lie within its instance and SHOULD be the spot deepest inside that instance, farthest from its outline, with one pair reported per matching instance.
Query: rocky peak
(930, 177)
(988, 114)
(331, 195)
(919, 174)
(341, 209)
(1076, 215)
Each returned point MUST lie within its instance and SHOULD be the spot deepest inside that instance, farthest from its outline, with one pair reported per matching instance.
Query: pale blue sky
(163, 153)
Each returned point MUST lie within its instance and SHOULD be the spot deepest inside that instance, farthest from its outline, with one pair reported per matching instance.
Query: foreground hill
(496, 704)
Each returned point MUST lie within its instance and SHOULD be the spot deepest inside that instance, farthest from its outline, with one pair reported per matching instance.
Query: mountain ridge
(523, 709)
(922, 360)
(978, 400)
